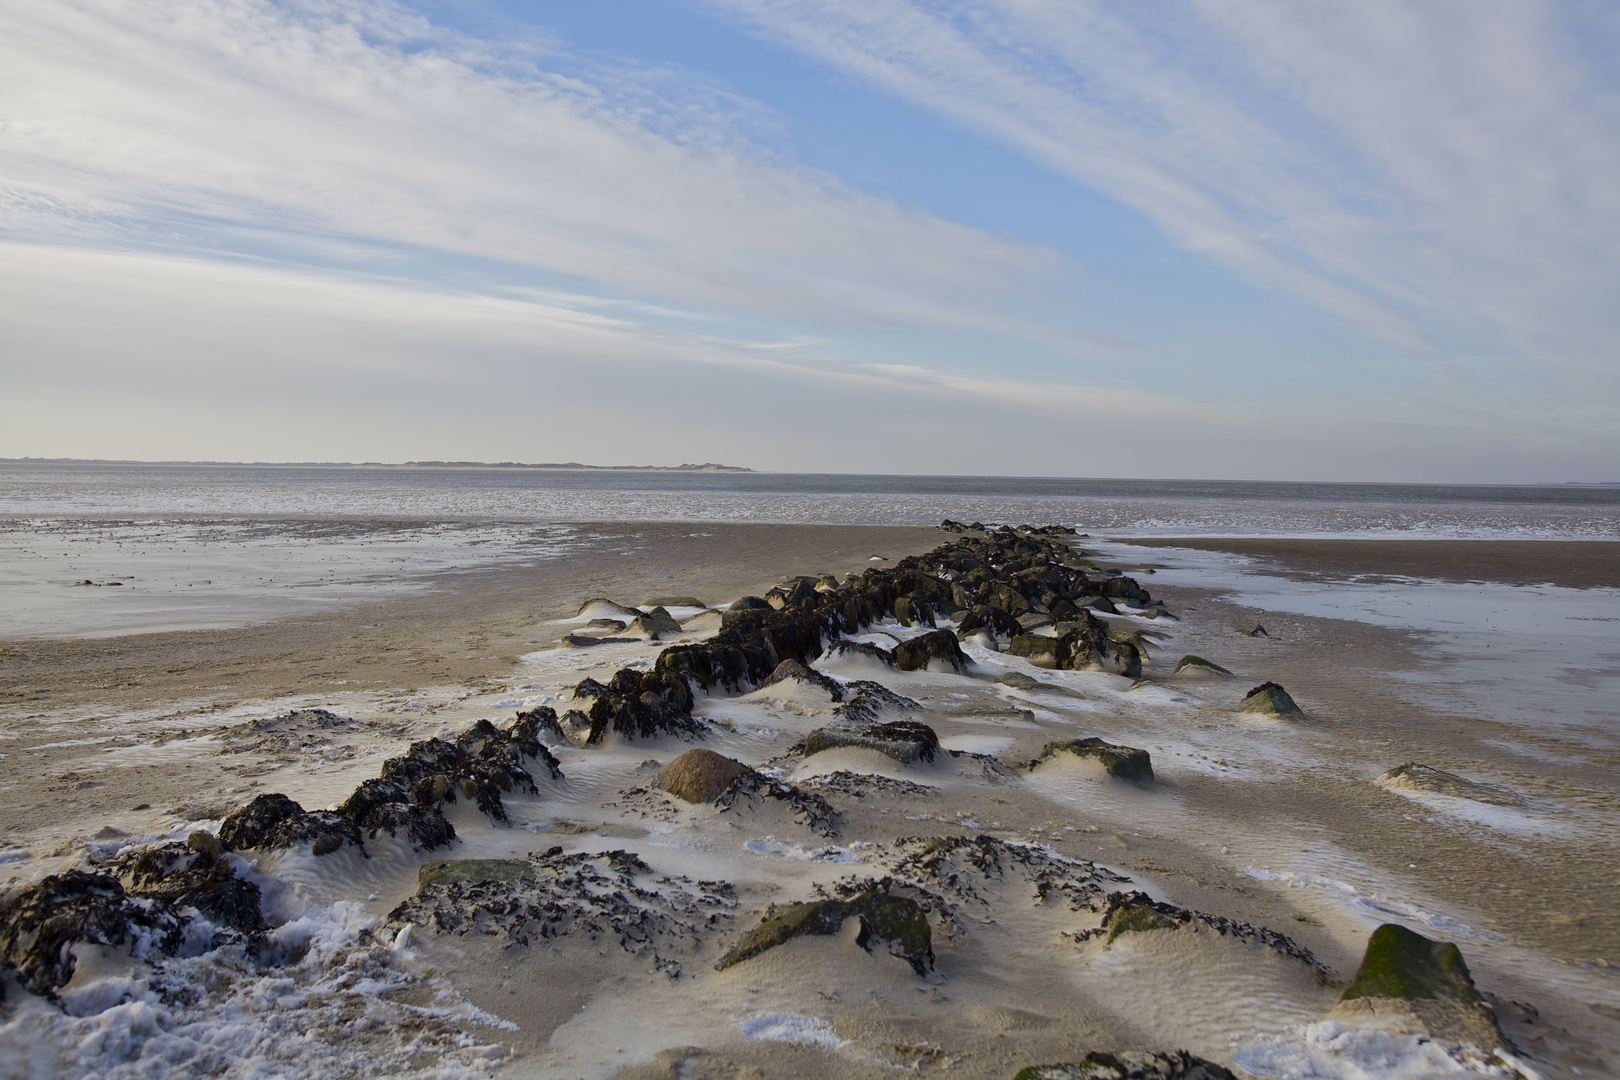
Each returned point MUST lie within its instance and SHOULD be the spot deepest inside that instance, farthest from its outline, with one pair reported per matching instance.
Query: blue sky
(1212, 239)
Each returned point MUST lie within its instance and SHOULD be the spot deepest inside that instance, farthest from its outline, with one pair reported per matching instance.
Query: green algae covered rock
(471, 871)
(1191, 661)
(1174, 1065)
(1020, 681)
(1401, 963)
(897, 921)
(1269, 699)
(1136, 915)
(1122, 762)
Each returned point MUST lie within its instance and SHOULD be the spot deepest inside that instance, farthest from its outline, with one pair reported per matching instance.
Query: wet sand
(1235, 800)
(1577, 564)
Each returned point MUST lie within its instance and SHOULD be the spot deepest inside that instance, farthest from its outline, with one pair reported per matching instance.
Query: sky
(1211, 238)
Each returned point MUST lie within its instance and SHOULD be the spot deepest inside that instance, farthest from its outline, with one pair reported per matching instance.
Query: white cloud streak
(1442, 173)
(354, 120)
(160, 357)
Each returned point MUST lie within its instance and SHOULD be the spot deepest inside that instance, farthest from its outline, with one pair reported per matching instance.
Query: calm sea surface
(195, 546)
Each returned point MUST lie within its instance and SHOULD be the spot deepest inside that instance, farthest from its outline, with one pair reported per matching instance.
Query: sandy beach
(1273, 836)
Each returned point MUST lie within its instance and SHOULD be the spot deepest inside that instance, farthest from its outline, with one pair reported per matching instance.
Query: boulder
(1198, 663)
(1415, 777)
(274, 821)
(840, 650)
(1122, 762)
(40, 926)
(654, 624)
(700, 776)
(1038, 649)
(795, 672)
(188, 875)
(1269, 699)
(935, 650)
(1406, 977)
(896, 921)
(602, 608)
(750, 603)
(907, 741)
(992, 618)
(1171, 1065)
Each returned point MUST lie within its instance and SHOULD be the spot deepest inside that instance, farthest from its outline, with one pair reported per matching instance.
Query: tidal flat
(695, 800)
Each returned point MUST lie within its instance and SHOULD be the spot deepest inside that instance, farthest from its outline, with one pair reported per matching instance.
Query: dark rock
(896, 921)
(1122, 762)
(793, 671)
(842, 649)
(906, 741)
(1258, 631)
(699, 776)
(1269, 699)
(1171, 1065)
(1038, 649)
(274, 821)
(39, 928)
(184, 876)
(750, 603)
(674, 601)
(937, 648)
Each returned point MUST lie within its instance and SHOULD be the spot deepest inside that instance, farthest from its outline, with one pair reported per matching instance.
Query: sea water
(207, 546)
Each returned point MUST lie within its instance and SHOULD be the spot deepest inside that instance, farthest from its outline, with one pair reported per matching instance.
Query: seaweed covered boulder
(1405, 976)
(898, 922)
(1121, 762)
(700, 776)
(199, 876)
(1269, 699)
(1171, 1065)
(638, 705)
(934, 651)
(907, 741)
(472, 871)
(989, 617)
(41, 926)
(274, 821)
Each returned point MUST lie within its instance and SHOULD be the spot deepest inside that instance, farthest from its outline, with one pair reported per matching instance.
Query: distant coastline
(708, 466)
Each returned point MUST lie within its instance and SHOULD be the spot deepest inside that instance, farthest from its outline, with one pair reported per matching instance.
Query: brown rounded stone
(700, 775)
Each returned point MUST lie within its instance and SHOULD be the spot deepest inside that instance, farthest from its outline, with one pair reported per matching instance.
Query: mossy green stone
(1269, 699)
(1199, 662)
(471, 871)
(1403, 964)
(897, 920)
(1136, 919)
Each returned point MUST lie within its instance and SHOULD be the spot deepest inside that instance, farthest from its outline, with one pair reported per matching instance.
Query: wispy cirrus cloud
(356, 122)
(1440, 173)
